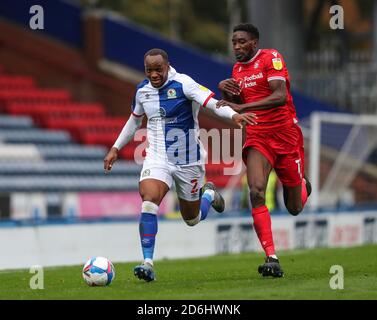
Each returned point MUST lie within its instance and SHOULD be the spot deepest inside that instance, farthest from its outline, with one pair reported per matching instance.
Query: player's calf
(210, 198)
(296, 197)
(257, 195)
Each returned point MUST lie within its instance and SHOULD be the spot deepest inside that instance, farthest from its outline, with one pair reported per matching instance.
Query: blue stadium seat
(34, 136)
(12, 122)
(67, 168)
(71, 151)
(36, 183)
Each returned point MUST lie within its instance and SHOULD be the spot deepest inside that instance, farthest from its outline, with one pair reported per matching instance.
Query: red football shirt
(253, 77)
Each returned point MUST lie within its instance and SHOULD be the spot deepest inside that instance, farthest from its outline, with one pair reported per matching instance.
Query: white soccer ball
(98, 271)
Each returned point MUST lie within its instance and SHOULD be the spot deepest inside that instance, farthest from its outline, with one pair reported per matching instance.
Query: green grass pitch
(307, 276)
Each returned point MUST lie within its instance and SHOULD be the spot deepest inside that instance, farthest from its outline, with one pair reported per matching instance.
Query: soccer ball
(98, 271)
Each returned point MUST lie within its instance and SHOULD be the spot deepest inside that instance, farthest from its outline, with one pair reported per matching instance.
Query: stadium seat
(13, 122)
(37, 183)
(51, 160)
(78, 125)
(67, 168)
(36, 136)
(72, 151)
(45, 114)
(16, 82)
(68, 110)
(33, 96)
(10, 153)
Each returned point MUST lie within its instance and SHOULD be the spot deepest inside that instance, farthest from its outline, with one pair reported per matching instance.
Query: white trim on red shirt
(276, 78)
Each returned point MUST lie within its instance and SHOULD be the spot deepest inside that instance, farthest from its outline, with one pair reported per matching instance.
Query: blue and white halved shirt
(172, 111)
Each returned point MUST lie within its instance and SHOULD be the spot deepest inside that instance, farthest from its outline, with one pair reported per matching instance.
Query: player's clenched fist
(110, 158)
(230, 86)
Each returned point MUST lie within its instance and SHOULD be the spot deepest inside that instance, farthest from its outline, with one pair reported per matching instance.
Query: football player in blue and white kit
(171, 102)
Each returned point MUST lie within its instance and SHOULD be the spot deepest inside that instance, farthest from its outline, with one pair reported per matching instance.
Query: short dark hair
(249, 28)
(156, 52)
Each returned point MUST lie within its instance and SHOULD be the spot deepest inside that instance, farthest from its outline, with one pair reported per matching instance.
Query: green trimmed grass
(307, 276)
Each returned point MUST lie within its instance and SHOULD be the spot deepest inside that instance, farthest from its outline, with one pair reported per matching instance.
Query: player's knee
(257, 195)
(192, 222)
(294, 210)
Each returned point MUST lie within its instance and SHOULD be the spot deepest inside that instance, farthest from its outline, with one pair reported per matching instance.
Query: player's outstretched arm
(228, 113)
(124, 137)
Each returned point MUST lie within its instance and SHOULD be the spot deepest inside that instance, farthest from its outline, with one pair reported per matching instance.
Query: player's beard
(242, 57)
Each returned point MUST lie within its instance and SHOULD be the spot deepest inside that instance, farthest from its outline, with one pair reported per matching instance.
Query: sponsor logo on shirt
(250, 84)
(253, 77)
(171, 120)
(162, 112)
(249, 81)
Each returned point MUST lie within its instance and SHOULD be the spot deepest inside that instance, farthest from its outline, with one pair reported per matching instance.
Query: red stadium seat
(108, 139)
(54, 109)
(90, 138)
(16, 82)
(33, 96)
(44, 112)
(92, 125)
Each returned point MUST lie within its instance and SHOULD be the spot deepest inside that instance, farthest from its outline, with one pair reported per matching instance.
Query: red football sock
(304, 193)
(262, 225)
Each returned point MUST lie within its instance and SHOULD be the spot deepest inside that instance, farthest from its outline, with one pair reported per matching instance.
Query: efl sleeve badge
(277, 63)
(203, 88)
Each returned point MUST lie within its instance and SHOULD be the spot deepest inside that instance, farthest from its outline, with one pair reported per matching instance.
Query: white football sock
(211, 193)
(149, 261)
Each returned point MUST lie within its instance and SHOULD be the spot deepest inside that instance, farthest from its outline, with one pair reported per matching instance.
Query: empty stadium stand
(40, 135)
(70, 139)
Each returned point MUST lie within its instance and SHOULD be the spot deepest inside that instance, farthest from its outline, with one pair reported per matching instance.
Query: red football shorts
(283, 148)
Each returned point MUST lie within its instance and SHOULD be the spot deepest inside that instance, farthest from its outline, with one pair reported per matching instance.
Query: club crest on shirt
(256, 65)
(146, 173)
(277, 63)
(172, 94)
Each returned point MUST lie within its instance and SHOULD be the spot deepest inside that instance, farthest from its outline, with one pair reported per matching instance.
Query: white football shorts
(188, 179)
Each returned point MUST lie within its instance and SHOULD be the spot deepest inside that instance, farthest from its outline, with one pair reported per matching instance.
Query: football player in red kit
(260, 84)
